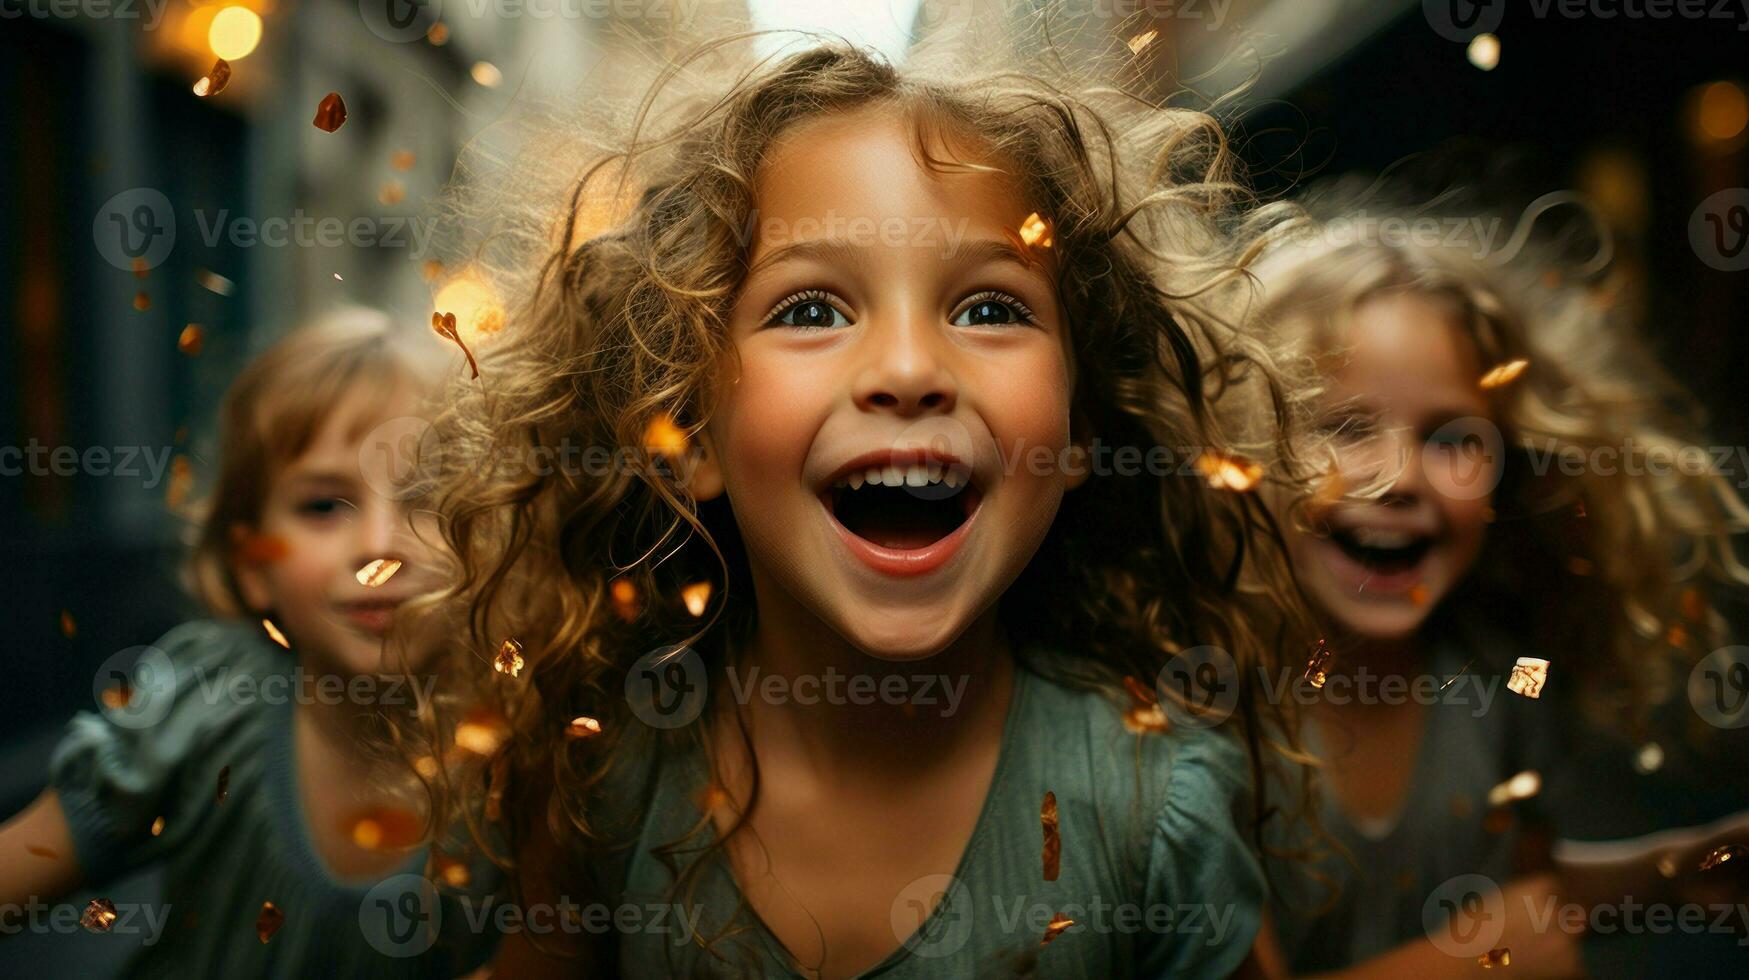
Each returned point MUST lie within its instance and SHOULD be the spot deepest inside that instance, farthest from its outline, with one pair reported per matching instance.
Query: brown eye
(993, 308)
(810, 309)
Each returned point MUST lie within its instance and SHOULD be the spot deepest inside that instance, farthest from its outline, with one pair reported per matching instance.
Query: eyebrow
(982, 250)
(324, 476)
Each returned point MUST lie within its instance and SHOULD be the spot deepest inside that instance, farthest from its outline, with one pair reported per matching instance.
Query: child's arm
(36, 853)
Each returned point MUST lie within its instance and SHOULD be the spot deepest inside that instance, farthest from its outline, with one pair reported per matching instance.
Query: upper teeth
(916, 475)
(1369, 537)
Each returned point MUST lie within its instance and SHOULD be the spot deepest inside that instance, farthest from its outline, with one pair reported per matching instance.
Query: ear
(705, 469)
(1080, 453)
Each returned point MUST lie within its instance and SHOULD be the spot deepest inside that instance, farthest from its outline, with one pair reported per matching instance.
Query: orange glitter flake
(69, 628)
(1501, 375)
(215, 80)
(269, 921)
(509, 659)
(1318, 667)
(1228, 471)
(99, 915)
(1055, 928)
(1499, 956)
(330, 113)
(696, 597)
(191, 339)
(377, 571)
(1722, 855)
(274, 634)
(1053, 847)
(583, 726)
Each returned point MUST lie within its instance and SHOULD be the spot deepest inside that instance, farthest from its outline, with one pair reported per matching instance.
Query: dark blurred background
(117, 338)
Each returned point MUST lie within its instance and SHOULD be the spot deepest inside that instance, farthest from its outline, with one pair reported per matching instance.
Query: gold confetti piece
(1055, 928)
(259, 549)
(1053, 850)
(274, 634)
(214, 283)
(1035, 231)
(452, 871)
(224, 787)
(1142, 40)
(1142, 719)
(509, 660)
(180, 484)
(269, 921)
(438, 35)
(696, 597)
(191, 339)
(215, 80)
(1721, 855)
(1523, 786)
(1667, 866)
(330, 113)
(401, 161)
(625, 599)
(142, 301)
(158, 826)
(377, 571)
(69, 628)
(663, 438)
(583, 726)
(1528, 676)
(391, 193)
(482, 731)
(1649, 759)
(382, 827)
(99, 915)
(41, 851)
(1503, 374)
(444, 324)
(1318, 667)
(1677, 636)
(1499, 956)
(430, 270)
(712, 797)
(487, 74)
(427, 766)
(1228, 471)
(139, 267)
(118, 697)
(1418, 595)
(338, 278)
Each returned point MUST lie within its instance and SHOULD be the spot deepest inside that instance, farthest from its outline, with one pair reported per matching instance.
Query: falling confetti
(140, 268)
(191, 339)
(1503, 374)
(431, 270)
(1318, 667)
(338, 277)
(487, 74)
(583, 726)
(1035, 231)
(142, 301)
(274, 634)
(99, 915)
(482, 732)
(1693, 605)
(509, 660)
(1523, 786)
(1461, 671)
(712, 797)
(391, 193)
(444, 324)
(1499, 956)
(1055, 928)
(269, 921)
(1649, 759)
(625, 599)
(1228, 471)
(438, 35)
(696, 597)
(118, 697)
(387, 828)
(42, 852)
(1053, 850)
(224, 787)
(1528, 676)
(181, 482)
(426, 766)
(158, 826)
(378, 571)
(1721, 855)
(260, 549)
(69, 628)
(1142, 40)
(1141, 719)
(453, 872)
(215, 283)
(1667, 866)
(330, 113)
(215, 80)
(663, 438)
(401, 161)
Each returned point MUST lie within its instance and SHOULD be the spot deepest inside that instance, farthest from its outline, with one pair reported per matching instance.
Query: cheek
(764, 421)
(1026, 404)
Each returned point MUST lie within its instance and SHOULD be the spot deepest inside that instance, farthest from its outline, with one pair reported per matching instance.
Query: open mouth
(903, 507)
(1384, 552)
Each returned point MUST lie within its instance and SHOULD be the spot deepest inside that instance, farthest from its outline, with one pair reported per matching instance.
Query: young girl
(1471, 386)
(235, 751)
(834, 683)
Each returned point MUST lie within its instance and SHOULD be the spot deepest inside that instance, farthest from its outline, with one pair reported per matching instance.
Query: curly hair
(617, 292)
(1631, 558)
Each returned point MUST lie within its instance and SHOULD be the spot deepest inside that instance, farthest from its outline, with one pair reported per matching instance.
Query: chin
(902, 639)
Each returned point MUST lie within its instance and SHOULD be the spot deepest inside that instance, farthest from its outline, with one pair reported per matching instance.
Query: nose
(382, 531)
(1406, 465)
(905, 371)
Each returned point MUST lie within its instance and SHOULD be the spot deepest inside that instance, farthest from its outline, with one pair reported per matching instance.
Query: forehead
(343, 429)
(1408, 350)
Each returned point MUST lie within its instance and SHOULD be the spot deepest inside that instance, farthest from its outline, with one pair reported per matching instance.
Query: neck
(348, 733)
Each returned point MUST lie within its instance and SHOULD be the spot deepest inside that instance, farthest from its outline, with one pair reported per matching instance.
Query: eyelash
(788, 303)
(311, 506)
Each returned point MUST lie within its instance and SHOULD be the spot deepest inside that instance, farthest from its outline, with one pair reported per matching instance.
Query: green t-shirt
(161, 754)
(1155, 867)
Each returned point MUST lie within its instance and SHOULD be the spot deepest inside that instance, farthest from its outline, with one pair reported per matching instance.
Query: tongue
(899, 534)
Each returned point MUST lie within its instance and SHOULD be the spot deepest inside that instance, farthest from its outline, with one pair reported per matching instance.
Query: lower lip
(904, 562)
(371, 620)
(1364, 580)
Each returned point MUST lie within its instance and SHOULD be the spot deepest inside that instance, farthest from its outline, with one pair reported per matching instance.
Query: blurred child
(1461, 383)
(245, 767)
(905, 435)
